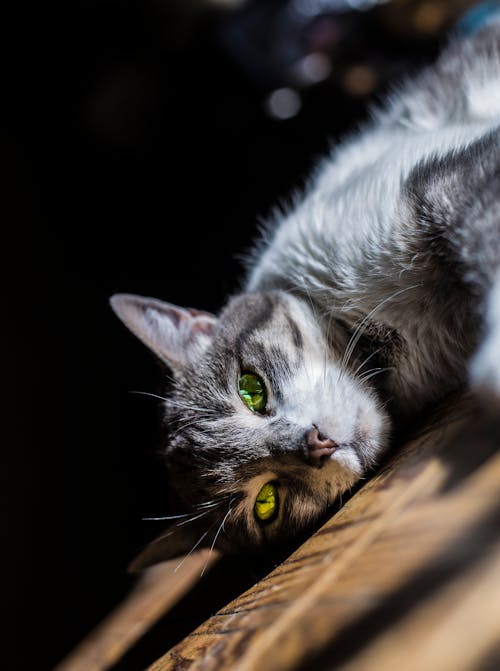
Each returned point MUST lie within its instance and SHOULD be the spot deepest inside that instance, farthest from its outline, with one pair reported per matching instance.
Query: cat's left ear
(177, 335)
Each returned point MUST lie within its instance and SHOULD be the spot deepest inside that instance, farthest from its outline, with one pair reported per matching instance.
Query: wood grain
(405, 575)
(455, 630)
(390, 559)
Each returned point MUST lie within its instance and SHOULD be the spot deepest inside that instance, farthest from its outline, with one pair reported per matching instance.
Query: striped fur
(370, 299)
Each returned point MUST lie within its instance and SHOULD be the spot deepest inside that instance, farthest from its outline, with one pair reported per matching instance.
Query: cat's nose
(319, 446)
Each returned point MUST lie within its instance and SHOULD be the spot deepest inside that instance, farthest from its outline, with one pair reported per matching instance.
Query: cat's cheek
(338, 475)
(305, 511)
(372, 428)
(370, 422)
(246, 418)
(347, 458)
(245, 512)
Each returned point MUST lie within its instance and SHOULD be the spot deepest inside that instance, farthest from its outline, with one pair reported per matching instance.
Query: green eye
(252, 392)
(267, 502)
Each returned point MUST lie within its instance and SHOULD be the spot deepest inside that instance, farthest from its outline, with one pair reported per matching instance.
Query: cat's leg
(485, 365)
(453, 229)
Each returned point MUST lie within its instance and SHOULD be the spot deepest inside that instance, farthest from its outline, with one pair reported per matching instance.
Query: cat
(374, 295)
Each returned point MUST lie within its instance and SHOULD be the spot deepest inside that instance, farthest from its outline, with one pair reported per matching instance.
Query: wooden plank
(456, 630)
(441, 489)
(156, 591)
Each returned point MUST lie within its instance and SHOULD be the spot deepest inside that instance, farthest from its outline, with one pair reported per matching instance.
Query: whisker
(192, 519)
(192, 422)
(182, 426)
(375, 372)
(194, 547)
(207, 505)
(365, 362)
(173, 402)
(358, 331)
(187, 406)
(367, 372)
(147, 393)
(166, 517)
(212, 504)
(215, 539)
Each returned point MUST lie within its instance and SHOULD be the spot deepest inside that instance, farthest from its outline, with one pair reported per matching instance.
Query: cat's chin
(352, 461)
(340, 472)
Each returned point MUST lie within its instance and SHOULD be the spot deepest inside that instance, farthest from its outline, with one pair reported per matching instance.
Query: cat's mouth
(319, 457)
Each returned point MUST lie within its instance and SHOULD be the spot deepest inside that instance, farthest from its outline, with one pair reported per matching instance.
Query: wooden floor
(405, 576)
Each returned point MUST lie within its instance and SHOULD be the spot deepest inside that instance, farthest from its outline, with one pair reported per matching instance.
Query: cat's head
(266, 428)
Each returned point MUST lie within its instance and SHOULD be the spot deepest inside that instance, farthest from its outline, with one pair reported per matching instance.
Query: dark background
(139, 157)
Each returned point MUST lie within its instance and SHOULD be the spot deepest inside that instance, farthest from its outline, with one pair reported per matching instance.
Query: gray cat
(374, 296)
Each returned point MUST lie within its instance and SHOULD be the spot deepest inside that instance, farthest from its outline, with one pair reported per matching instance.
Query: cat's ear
(174, 334)
(176, 541)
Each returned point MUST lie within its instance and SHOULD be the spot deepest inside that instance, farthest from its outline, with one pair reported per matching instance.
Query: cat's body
(383, 226)
(374, 296)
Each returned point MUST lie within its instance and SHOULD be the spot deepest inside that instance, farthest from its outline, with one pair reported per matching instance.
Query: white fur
(355, 197)
(338, 404)
(344, 243)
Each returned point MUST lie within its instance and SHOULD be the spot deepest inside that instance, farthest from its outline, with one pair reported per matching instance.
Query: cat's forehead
(254, 311)
(269, 316)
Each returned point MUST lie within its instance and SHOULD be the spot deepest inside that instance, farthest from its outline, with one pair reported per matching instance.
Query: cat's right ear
(177, 335)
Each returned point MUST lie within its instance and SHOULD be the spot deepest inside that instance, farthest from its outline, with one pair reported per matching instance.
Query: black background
(139, 158)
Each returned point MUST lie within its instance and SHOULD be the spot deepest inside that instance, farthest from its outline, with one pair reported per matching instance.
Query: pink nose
(319, 447)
